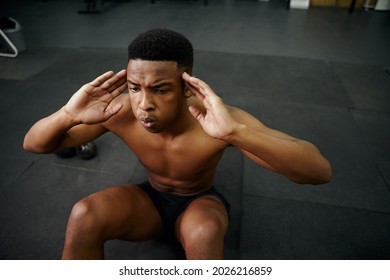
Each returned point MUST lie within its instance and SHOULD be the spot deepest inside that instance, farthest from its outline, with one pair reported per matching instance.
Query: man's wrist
(235, 135)
(68, 119)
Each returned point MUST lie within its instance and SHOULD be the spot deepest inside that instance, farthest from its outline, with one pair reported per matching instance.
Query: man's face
(156, 92)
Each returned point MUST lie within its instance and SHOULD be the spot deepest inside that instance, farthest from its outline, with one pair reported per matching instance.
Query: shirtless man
(178, 128)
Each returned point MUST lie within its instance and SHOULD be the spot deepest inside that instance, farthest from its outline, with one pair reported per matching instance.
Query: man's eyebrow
(158, 85)
(131, 82)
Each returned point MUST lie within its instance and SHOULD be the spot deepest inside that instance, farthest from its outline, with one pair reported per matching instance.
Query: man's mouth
(147, 122)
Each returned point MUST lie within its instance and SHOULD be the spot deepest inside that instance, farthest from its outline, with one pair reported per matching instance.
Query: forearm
(45, 135)
(298, 160)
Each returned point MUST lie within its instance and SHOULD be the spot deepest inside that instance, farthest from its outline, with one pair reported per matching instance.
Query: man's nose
(146, 103)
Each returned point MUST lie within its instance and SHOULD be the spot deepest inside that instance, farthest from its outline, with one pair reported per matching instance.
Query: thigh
(125, 212)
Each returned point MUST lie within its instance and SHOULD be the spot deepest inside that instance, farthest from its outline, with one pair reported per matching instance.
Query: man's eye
(160, 91)
(134, 89)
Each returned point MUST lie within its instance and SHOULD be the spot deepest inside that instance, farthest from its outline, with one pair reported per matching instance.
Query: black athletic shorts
(170, 206)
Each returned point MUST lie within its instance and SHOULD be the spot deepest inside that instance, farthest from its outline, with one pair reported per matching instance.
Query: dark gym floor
(320, 74)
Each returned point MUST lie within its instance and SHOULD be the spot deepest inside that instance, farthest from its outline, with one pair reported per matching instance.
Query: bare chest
(184, 158)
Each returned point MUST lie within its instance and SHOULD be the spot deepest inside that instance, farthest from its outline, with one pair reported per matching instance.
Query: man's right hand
(91, 103)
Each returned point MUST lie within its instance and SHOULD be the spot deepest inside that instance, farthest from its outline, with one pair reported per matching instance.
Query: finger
(203, 87)
(111, 83)
(186, 77)
(106, 80)
(204, 99)
(101, 79)
(120, 83)
(195, 91)
(119, 90)
(190, 81)
(112, 111)
(196, 113)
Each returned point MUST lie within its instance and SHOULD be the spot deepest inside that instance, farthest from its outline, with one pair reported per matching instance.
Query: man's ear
(187, 92)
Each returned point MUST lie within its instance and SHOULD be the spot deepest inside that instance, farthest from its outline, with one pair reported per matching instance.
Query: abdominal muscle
(194, 186)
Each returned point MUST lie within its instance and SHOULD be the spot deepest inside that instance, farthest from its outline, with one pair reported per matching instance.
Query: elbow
(324, 178)
(31, 149)
(29, 146)
(322, 175)
(328, 175)
(325, 175)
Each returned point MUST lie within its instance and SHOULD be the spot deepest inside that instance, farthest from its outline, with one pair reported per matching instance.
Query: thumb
(196, 113)
(112, 111)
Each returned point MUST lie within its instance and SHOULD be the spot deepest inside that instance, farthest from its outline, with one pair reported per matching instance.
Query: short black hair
(162, 45)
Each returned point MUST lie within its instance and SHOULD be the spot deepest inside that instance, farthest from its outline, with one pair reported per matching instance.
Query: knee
(205, 232)
(84, 216)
